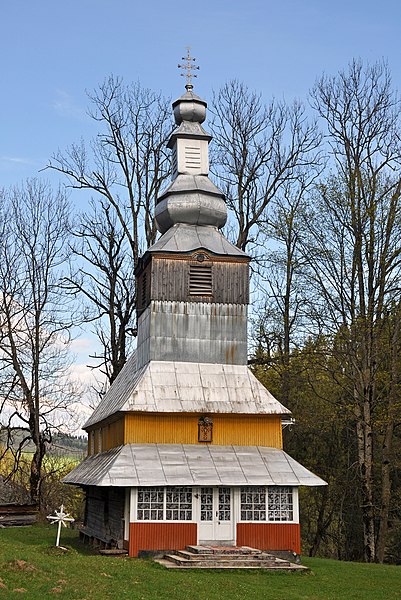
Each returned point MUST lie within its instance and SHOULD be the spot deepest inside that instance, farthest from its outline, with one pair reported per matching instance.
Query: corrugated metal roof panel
(174, 464)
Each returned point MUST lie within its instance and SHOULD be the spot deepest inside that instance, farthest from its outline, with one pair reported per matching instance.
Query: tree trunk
(388, 444)
(35, 478)
(321, 525)
(365, 460)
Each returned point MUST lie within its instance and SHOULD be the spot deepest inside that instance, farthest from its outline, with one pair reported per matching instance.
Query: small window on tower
(200, 280)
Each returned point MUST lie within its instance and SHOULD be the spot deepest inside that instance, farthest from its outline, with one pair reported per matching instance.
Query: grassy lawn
(31, 566)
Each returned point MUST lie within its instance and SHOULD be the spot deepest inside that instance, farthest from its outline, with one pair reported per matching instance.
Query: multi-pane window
(150, 504)
(164, 504)
(179, 504)
(253, 504)
(280, 503)
(224, 504)
(206, 504)
(274, 503)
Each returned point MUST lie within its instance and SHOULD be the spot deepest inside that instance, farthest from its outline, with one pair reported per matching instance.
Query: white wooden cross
(61, 518)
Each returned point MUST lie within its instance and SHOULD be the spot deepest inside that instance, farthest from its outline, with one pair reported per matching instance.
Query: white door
(216, 515)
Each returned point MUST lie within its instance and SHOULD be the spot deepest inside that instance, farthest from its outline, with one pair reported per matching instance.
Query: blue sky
(52, 52)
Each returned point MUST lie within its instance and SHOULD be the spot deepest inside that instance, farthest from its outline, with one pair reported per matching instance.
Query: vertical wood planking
(239, 430)
(161, 536)
(247, 430)
(105, 513)
(170, 281)
(270, 536)
(110, 435)
(161, 429)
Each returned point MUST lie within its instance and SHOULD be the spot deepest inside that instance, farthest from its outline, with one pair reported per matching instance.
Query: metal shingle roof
(186, 387)
(191, 464)
(187, 238)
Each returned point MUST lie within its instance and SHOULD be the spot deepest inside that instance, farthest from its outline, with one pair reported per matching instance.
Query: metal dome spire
(191, 198)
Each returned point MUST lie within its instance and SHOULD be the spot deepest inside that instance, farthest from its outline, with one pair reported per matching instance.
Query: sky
(52, 53)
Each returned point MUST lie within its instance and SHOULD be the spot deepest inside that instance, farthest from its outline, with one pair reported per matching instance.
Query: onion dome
(189, 107)
(191, 197)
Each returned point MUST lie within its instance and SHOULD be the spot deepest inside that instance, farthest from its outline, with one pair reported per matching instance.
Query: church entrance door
(216, 522)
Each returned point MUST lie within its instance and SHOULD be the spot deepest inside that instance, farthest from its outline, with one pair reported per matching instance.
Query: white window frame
(281, 490)
(295, 510)
(254, 503)
(166, 490)
(236, 506)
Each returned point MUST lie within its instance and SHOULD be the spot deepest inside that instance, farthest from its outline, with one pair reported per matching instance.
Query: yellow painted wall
(110, 435)
(239, 430)
(115, 434)
(247, 431)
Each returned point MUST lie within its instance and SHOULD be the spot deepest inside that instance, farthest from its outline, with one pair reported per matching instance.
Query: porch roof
(135, 465)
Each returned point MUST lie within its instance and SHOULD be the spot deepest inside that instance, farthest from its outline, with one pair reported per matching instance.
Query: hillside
(62, 444)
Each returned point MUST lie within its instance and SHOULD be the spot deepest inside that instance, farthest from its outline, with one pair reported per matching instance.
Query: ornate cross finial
(189, 67)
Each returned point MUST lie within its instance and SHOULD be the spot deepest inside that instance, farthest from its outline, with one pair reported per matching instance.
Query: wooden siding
(110, 435)
(244, 430)
(104, 514)
(91, 441)
(168, 279)
(239, 430)
(114, 434)
(97, 442)
(143, 288)
(161, 536)
(270, 536)
(161, 429)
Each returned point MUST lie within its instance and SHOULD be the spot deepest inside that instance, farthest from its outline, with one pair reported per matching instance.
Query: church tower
(186, 446)
(193, 285)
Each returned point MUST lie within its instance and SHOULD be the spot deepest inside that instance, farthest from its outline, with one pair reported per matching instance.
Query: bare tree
(106, 280)
(125, 166)
(282, 279)
(258, 150)
(354, 251)
(35, 317)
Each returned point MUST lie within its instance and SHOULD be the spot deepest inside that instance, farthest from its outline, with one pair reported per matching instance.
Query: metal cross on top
(189, 67)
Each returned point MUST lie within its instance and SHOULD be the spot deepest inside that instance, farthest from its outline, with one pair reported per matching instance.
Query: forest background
(314, 196)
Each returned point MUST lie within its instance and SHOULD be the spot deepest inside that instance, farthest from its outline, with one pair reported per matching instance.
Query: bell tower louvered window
(200, 280)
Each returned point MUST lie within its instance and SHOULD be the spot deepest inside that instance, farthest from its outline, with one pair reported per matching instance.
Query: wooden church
(186, 446)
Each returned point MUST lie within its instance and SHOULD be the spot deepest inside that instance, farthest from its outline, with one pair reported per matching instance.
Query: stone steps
(256, 559)
(209, 557)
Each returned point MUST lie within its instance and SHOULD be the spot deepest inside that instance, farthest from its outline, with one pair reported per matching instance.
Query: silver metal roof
(187, 238)
(191, 464)
(184, 183)
(185, 387)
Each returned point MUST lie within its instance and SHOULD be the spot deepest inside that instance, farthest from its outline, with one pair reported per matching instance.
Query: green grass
(31, 567)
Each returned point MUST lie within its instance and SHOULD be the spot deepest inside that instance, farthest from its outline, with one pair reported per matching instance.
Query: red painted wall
(161, 536)
(270, 536)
